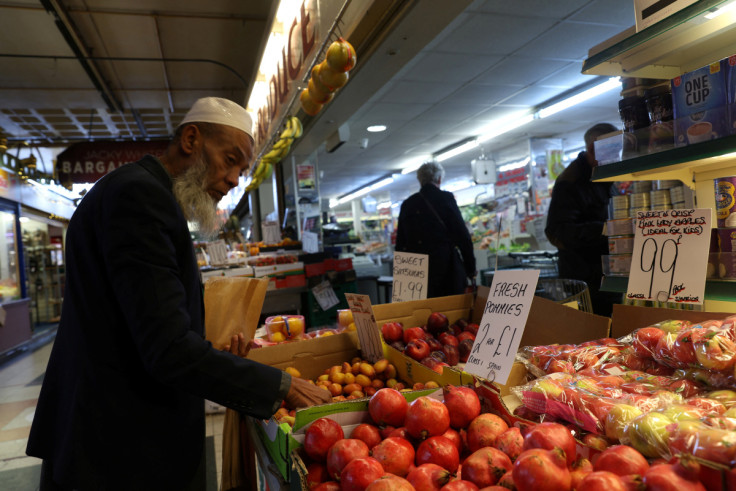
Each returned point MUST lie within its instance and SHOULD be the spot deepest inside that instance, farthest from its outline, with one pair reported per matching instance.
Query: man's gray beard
(197, 205)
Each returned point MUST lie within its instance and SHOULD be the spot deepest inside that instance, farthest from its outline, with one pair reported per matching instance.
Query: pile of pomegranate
(449, 445)
(437, 344)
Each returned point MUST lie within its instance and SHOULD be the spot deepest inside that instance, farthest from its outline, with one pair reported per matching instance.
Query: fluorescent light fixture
(502, 126)
(514, 165)
(360, 192)
(726, 8)
(611, 83)
(459, 186)
(415, 165)
(385, 204)
(24, 219)
(395, 205)
(381, 183)
(456, 151)
(376, 128)
(333, 202)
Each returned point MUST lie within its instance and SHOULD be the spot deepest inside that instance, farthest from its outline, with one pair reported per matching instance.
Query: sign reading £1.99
(410, 276)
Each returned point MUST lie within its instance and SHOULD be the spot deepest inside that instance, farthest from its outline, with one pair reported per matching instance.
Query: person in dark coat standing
(122, 401)
(577, 213)
(430, 223)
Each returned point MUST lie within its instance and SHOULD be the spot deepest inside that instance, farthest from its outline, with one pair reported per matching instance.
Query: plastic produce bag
(232, 305)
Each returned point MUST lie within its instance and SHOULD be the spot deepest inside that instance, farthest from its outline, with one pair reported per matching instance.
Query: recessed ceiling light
(377, 128)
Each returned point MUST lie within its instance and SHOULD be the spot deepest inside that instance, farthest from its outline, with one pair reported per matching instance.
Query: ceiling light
(459, 186)
(415, 165)
(376, 128)
(611, 83)
(514, 165)
(457, 150)
(360, 192)
(502, 126)
(395, 205)
(385, 204)
(726, 8)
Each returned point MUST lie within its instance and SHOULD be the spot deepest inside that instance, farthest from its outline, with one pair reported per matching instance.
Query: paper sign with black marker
(410, 276)
(365, 324)
(325, 295)
(271, 232)
(502, 324)
(217, 251)
(310, 242)
(670, 256)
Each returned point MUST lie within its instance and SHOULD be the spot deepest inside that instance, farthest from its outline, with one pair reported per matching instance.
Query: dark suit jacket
(420, 231)
(121, 405)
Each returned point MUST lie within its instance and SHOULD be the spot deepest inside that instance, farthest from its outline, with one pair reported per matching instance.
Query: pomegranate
(389, 482)
(328, 486)
(413, 333)
(395, 455)
(464, 349)
(664, 477)
(316, 474)
(428, 477)
(320, 436)
(438, 450)
(427, 417)
(452, 355)
(510, 442)
(388, 407)
(386, 431)
(460, 485)
(370, 434)
(360, 473)
(392, 331)
(401, 433)
(596, 441)
(485, 466)
(601, 481)
(437, 323)
(578, 470)
(434, 344)
(343, 452)
(448, 338)
(455, 438)
(483, 431)
(550, 435)
(462, 403)
(622, 460)
(538, 469)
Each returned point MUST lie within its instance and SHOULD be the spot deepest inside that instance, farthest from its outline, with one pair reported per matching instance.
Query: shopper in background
(430, 223)
(122, 402)
(577, 213)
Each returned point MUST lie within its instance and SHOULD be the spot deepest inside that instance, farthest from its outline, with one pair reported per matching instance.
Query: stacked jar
(725, 189)
(634, 115)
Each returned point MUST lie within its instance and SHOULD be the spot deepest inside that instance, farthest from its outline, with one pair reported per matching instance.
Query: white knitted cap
(220, 111)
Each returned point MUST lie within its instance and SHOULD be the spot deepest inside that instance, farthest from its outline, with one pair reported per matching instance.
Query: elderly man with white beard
(122, 402)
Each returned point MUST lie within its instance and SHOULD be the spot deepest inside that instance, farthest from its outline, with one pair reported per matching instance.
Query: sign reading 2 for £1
(670, 256)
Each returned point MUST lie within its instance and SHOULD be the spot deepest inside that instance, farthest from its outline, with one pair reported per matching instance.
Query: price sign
(271, 232)
(310, 242)
(325, 295)
(502, 324)
(217, 251)
(410, 276)
(670, 256)
(365, 324)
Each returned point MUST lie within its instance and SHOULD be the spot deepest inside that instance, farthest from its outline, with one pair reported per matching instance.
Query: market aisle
(20, 384)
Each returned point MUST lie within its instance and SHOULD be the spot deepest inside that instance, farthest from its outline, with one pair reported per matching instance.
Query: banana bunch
(280, 149)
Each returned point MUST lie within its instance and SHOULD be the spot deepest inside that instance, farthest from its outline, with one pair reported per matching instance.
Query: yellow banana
(297, 124)
(267, 173)
(283, 142)
(289, 130)
(274, 154)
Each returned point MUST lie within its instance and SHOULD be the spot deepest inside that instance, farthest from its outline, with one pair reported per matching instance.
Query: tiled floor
(20, 383)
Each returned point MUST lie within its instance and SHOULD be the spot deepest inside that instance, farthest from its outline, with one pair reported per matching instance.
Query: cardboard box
(278, 269)
(700, 105)
(339, 264)
(627, 318)
(287, 281)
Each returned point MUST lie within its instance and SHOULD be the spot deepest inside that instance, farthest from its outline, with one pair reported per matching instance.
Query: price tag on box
(310, 242)
(325, 295)
(670, 256)
(365, 324)
(217, 251)
(502, 324)
(410, 276)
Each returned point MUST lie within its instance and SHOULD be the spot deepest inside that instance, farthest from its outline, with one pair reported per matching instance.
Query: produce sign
(502, 324)
(670, 256)
(365, 323)
(325, 295)
(410, 276)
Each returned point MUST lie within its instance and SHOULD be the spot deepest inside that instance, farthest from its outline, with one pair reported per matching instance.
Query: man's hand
(238, 346)
(304, 394)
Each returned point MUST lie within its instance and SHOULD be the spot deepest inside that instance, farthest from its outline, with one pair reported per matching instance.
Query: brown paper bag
(231, 306)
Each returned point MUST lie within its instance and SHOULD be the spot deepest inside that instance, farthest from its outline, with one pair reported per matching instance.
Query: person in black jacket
(122, 401)
(430, 223)
(577, 212)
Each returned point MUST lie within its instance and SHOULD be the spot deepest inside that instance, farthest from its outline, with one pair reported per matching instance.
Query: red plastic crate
(339, 264)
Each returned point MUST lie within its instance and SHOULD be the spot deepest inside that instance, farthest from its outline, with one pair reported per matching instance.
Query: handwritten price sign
(218, 252)
(365, 324)
(670, 256)
(502, 324)
(410, 276)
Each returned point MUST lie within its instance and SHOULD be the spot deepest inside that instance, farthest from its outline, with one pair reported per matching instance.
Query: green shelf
(723, 290)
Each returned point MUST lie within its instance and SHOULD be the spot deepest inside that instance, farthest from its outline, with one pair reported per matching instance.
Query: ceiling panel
(419, 92)
(568, 41)
(450, 67)
(513, 69)
(558, 9)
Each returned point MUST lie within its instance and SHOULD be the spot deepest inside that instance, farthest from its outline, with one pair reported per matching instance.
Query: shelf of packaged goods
(692, 163)
(723, 290)
(682, 42)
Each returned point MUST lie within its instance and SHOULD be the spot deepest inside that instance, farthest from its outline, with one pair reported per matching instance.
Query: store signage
(502, 324)
(296, 56)
(310, 242)
(410, 276)
(271, 232)
(670, 256)
(217, 251)
(86, 162)
(306, 177)
(365, 324)
(325, 295)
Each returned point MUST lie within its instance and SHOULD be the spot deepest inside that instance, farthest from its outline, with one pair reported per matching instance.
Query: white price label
(670, 256)
(325, 295)
(365, 323)
(502, 324)
(218, 252)
(310, 242)
(410, 276)
(271, 232)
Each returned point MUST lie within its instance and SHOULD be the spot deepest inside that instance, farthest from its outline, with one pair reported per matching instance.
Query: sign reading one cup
(502, 324)
(365, 324)
(670, 256)
(410, 276)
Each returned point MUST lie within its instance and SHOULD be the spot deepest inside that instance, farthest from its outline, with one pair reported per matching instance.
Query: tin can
(725, 189)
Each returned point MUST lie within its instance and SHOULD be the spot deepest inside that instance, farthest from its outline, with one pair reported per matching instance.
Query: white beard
(197, 205)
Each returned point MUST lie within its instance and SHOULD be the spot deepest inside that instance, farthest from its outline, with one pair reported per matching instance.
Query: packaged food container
(640, 200)
(665, 184)
(726, 265)
(641, 186)
(621, 244)
(616, 264)
(285, 327)
(623, 226)
(725, 189)
(660, 199)
(726, 239)
(344, 317)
